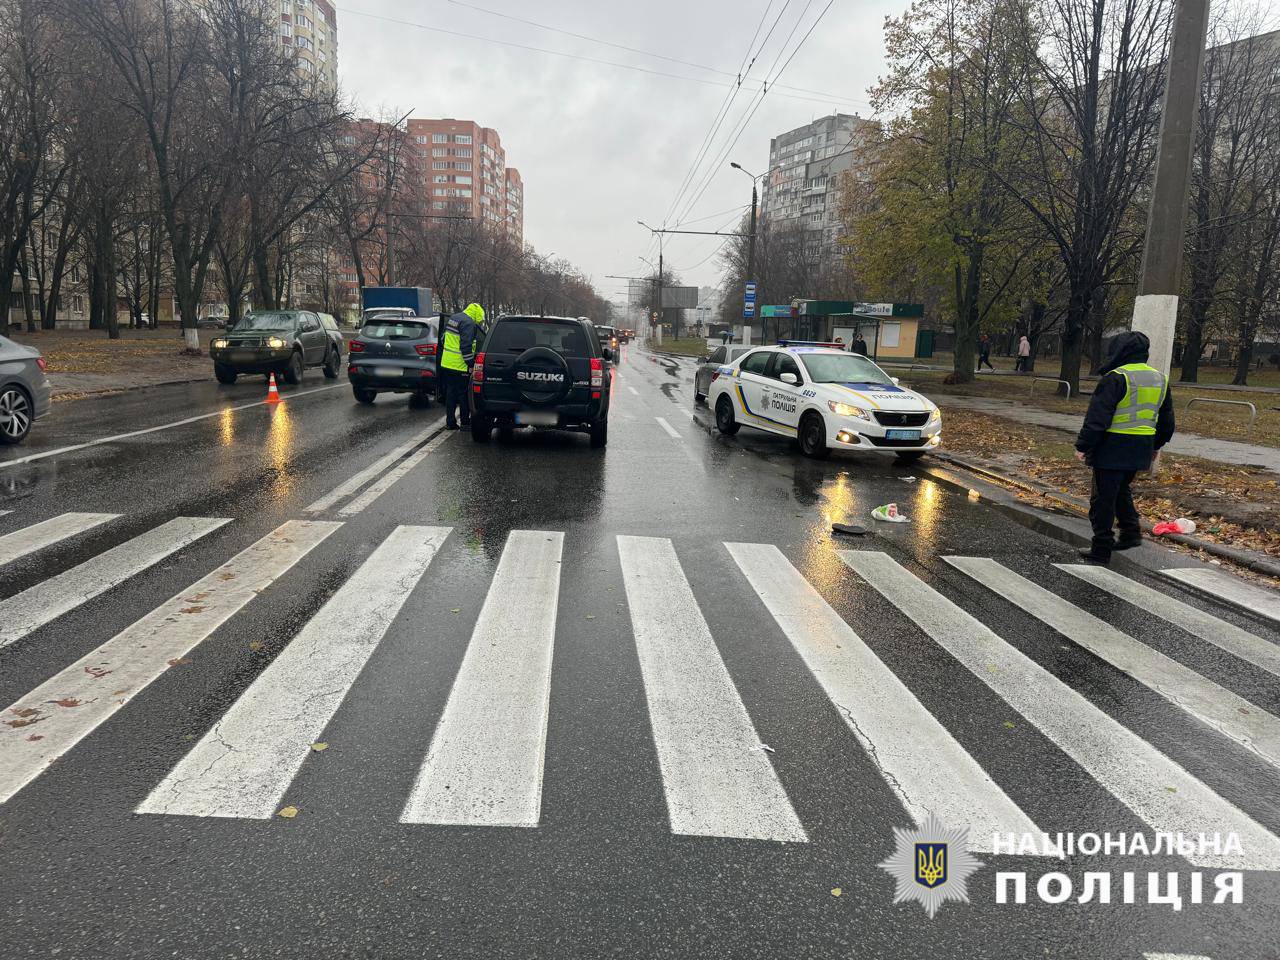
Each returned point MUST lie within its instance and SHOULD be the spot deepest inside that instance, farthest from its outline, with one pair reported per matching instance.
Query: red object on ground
(273, 395)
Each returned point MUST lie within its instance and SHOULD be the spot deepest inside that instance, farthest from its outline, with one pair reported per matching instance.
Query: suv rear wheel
(364, 396)
(481, 428)
(332, 361)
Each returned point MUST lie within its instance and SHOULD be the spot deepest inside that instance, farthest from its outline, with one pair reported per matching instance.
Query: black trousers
(1111, 504)
(455, 397)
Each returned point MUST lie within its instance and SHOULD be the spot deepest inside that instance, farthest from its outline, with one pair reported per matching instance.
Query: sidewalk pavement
(1186, 444)
(1084, 377)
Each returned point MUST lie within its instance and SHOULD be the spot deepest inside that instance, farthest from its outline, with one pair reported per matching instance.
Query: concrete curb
(71, 396)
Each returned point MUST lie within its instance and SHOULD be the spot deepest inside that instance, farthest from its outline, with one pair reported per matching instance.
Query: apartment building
(467, 173)
(310, 29)
(805, 164)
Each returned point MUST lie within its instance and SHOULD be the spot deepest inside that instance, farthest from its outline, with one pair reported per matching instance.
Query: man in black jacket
(1129, 419)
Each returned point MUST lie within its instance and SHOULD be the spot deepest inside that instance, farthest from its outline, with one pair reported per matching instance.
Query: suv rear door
(518, 368)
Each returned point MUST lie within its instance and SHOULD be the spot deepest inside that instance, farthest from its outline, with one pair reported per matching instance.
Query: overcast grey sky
(599, 146)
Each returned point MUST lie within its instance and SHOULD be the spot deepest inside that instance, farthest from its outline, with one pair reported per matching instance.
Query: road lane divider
(33, 608)
(244, 765)
(1157, 790)
(353, 484)
(1227, 636)
(48, 532)
(918, 758)
(393, 476)
(1231, 715)
(634, 391)
(47, 722)
(671, 431)
(30, 458)
(485, 763)
(717, 779)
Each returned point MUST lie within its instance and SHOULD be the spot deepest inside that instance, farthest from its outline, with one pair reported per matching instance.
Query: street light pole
(751, 241)
(1155, 311)
(676, 323)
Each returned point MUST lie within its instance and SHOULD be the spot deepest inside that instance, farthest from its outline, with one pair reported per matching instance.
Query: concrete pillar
(1156, 315)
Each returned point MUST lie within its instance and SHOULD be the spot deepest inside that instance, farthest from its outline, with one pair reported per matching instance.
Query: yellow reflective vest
(1138, 411)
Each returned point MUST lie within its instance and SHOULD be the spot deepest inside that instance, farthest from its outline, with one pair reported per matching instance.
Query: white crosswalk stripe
(49, 599)
(485, 763)
(1247, 646)
(48, 532)
(717, 778)
(919, 759)
(1217, 584)
(245, 763)
(1160, 792)
(392, 476)
(1232, 715)
(57, 714)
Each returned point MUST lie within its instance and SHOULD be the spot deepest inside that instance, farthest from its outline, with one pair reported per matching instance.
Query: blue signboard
(749, 300)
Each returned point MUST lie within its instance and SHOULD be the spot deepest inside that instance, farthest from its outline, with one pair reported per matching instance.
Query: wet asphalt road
(602, 873)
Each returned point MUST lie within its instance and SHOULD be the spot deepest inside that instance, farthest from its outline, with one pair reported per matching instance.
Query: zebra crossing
(484, 764)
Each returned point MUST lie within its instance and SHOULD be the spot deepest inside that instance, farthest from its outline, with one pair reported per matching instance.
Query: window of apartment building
(462, 138)
(286, 29)
(303, 43)
(439, 152)
(462, 152)
(305, 65)
(440, 178)
(302, 4)
(464, 180)
(462, 165)
(440, 205)
(302, 20)
(439, 138)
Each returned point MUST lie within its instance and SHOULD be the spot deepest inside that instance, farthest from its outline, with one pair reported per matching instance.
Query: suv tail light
(477, 373)
(597, 373)
(355, 346)
(426, 349)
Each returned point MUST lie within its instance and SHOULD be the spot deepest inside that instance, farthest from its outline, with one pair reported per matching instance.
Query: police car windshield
(842, 368)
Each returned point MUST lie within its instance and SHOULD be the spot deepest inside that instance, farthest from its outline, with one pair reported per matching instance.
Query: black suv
(546, 372)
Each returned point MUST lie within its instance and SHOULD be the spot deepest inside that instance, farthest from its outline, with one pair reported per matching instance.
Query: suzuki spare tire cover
(541, 376)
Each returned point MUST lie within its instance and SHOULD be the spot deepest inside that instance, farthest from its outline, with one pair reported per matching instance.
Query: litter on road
(889, 512)
(852, 529)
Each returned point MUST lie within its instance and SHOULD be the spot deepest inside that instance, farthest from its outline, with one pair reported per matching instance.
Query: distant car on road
(544, 372)
(275, 341)
(336, 336)
(394, 353)
(24, 390)
(608, 337)
(824, 398)
(708, 364)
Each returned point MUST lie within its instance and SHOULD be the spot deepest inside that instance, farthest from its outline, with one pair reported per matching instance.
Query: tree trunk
(1073, 332)
(967, 281)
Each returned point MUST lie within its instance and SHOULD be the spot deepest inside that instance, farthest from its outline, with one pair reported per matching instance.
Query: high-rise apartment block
(804, 170)
(310, 28)
(467, 173)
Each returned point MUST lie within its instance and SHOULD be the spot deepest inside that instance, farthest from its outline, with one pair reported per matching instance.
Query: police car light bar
(807, 343)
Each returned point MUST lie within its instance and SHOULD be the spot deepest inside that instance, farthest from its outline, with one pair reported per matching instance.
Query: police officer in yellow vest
(1129, 419)
(463, 334)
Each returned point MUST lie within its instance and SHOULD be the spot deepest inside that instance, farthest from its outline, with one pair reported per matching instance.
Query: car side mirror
(790, 378)
(896, 381)
(607, 354)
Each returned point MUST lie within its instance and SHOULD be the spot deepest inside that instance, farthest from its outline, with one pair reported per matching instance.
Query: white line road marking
(671, 431)
(389, 479)
(484, 767)
(164, 426)
(1160, 792)
(1173, 956)
(1231, 715)
(717, 780)
(1248, 647)
(246, 762)
(59, 713)
(354, 483)
(919, 759)
(5, 513)
(33, 608)
(633, 390)
(1224, 586)
(48, 532)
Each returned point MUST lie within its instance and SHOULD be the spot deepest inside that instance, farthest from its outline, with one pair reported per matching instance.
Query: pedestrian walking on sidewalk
(1129, 419)
(1024, 355)
(859, 346)
(984, 352)
(459, 342)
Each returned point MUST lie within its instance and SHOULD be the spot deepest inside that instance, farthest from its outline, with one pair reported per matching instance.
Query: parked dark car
(394, 354)
(24, 390)
(708, 364)
(336, 336)
(284, 342)
(544, 372)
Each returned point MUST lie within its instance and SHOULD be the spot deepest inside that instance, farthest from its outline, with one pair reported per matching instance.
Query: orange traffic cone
(273, 395)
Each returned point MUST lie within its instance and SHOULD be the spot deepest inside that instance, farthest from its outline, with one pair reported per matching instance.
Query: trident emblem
(931, 864)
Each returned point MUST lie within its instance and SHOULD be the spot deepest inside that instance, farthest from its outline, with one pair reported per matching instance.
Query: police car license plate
(388, 371)
(537, 418)
(902, 434)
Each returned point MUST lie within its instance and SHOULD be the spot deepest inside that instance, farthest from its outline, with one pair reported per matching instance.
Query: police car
(826, 399)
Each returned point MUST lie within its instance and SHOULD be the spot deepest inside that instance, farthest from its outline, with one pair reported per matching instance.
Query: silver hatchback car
(24, 390)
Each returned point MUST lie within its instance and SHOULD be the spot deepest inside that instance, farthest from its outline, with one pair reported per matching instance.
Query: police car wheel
(813, 437)
(726, 423)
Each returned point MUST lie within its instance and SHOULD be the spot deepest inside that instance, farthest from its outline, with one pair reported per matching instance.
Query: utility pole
(751, 240)
(1155, 311)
